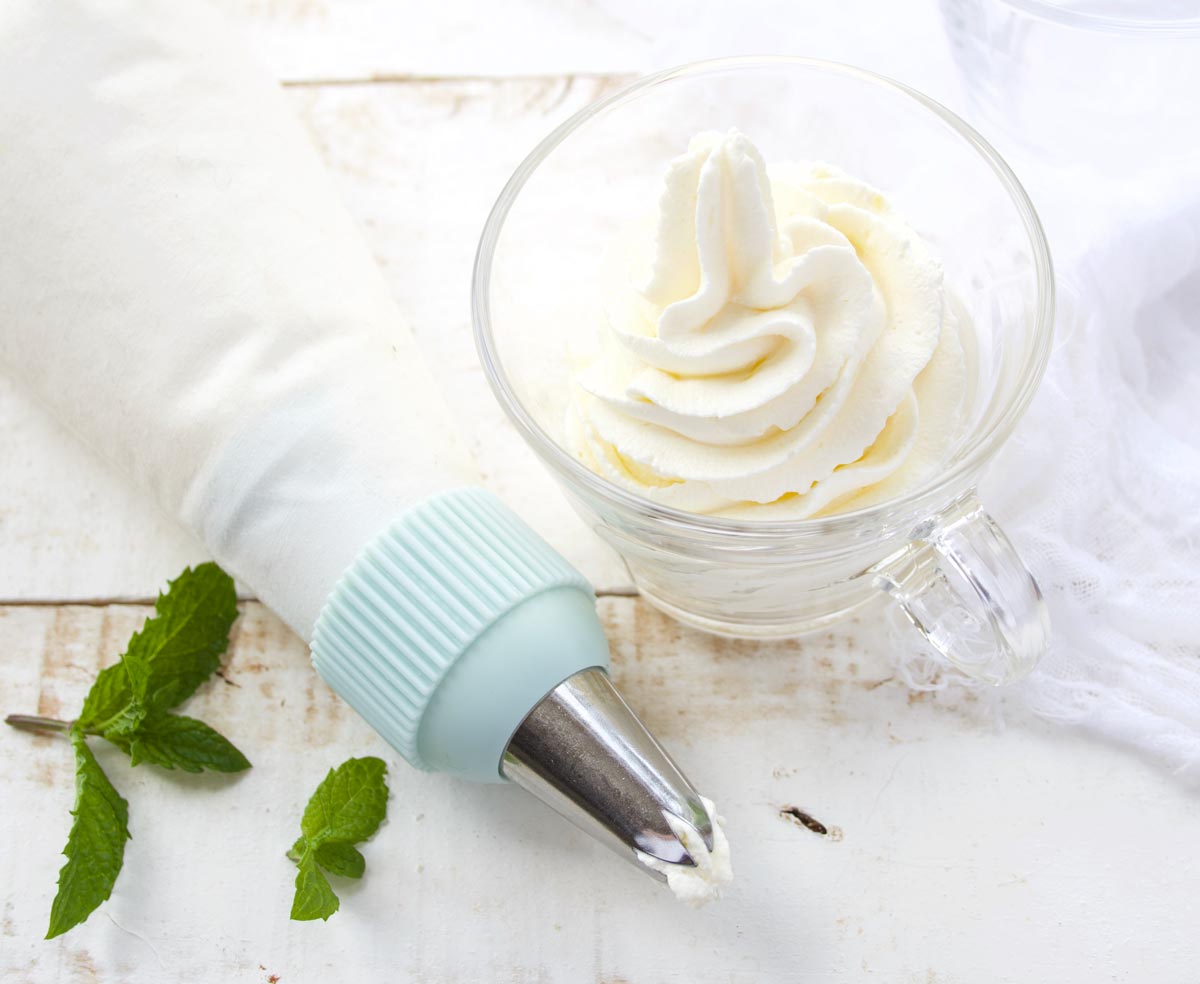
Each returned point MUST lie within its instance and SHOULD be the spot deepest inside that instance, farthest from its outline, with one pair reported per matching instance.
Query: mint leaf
(338, 859)
(350, 803)
(314, 899)
(95, 847)
(342, 860)
(181, 646)
(109, 696)
(126, 723)
(175, 651)
(347, 808)
(174, 741)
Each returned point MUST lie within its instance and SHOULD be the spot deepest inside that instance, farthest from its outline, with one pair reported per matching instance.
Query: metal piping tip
(584, 753)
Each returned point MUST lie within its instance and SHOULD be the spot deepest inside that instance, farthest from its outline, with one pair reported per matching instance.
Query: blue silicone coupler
(190, 299)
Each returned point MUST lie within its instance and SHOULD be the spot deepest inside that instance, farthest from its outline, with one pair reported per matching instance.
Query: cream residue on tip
(696, 886)
(781, 346)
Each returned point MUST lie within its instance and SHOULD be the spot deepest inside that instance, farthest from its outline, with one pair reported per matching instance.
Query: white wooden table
(959, 849)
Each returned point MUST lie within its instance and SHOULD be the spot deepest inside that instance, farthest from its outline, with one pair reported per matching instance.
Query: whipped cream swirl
(787, 349)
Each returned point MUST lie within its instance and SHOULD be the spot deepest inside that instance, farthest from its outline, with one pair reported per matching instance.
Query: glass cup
(1108, 85)
(536, 300)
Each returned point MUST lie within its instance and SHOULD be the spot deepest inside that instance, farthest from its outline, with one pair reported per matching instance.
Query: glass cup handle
(962, 584)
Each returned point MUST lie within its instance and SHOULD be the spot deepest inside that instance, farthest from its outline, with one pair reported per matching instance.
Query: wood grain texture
(323, 41)
(957, 850)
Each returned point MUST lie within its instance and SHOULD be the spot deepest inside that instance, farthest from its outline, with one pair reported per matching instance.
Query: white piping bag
(180, 286)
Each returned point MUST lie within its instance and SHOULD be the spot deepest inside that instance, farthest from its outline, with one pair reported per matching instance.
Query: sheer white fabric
(1100, 487)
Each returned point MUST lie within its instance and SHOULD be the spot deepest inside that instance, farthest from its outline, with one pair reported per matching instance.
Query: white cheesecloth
(1100, 486)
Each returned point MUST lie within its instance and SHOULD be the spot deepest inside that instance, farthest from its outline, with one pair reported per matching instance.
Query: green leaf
(338, 859)
(95, 846)
(181, 646)
(350, 803)
(122, 727)
(314, 898)
(174, 741)
(346, 808)
(175, 651)
(109, 696)
(342, 860)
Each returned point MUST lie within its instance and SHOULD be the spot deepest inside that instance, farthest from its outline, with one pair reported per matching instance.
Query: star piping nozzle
(473, 648)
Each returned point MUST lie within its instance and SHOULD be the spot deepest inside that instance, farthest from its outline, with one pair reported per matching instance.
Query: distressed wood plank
(958, 851)
(364, 39)
(326, 40)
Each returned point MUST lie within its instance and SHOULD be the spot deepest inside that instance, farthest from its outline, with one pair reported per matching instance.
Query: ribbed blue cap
(423, 593)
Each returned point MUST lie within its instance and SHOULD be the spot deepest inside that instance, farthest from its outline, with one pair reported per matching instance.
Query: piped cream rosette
(787, 349)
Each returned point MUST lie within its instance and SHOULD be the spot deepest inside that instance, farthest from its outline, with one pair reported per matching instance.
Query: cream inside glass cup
(543, 302)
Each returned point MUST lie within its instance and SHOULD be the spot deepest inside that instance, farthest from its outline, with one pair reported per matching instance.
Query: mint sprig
(95, 846)
(129, 705)
(346, 809)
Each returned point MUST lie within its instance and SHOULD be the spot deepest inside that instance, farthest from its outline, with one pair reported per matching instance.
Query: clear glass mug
(933, 549)
(1109, 85)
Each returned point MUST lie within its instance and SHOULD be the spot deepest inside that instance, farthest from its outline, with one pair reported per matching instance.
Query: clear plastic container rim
(902, 509)
(1142, 24)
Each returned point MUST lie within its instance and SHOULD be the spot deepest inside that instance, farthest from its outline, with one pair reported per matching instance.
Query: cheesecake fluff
(778, 345)
(698, 884)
